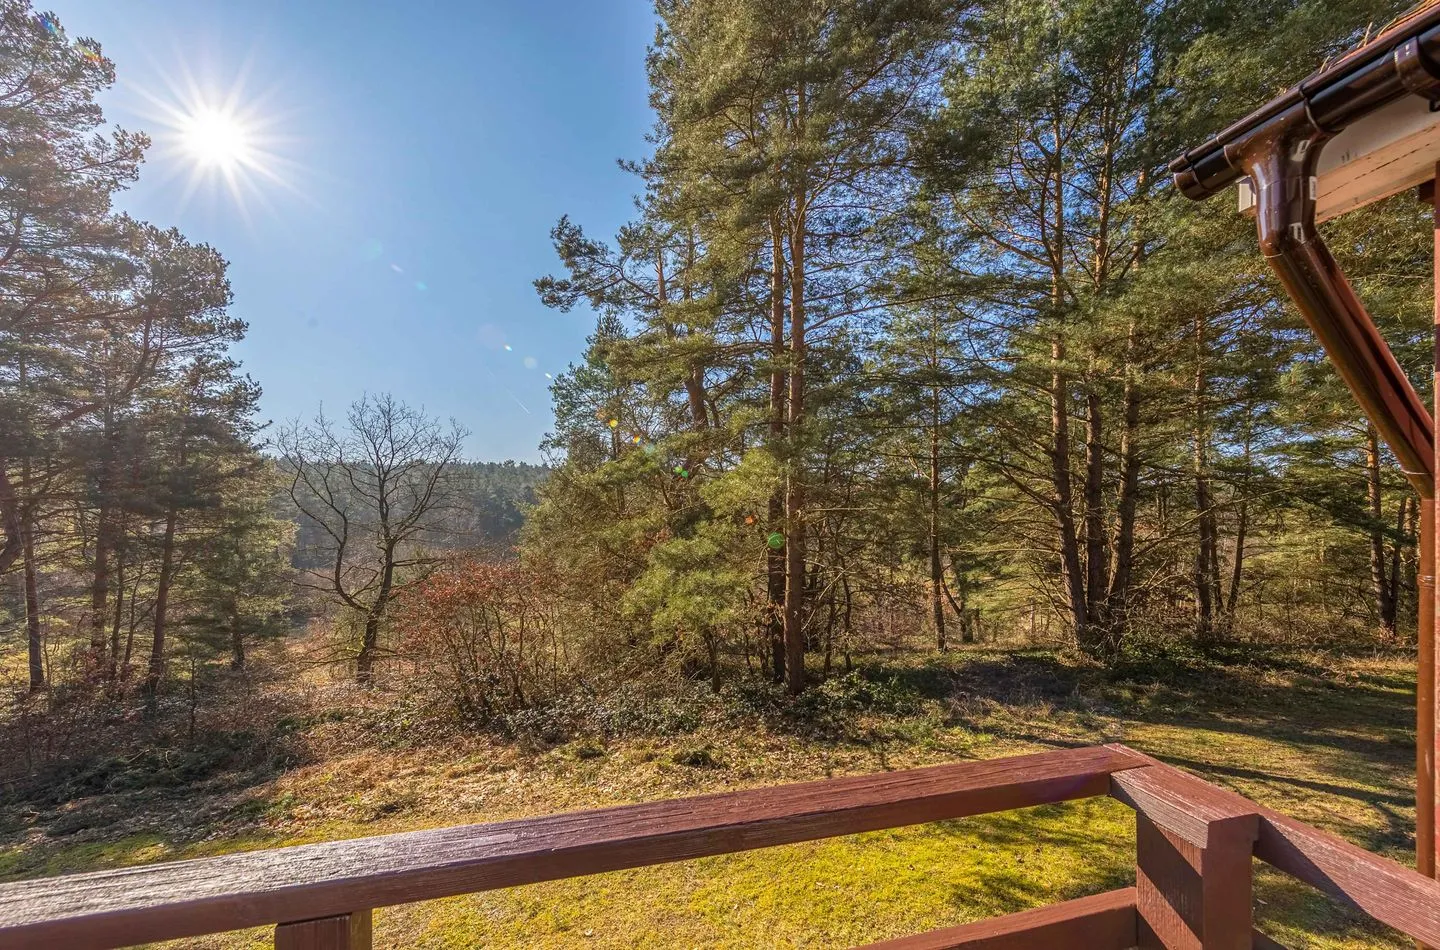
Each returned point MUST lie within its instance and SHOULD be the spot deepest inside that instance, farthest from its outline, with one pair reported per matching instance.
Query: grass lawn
(1328, 740)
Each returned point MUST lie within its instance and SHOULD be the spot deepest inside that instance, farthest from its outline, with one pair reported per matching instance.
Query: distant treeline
(485, 512)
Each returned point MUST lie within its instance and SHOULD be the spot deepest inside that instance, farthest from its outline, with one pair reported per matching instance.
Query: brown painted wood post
(1194, 898)
(1426, 805)
(1194, 849)
(345, 932)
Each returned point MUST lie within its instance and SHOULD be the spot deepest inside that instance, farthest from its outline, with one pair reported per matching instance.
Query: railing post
(1193, 869)
(345, 932)
(1193, 898)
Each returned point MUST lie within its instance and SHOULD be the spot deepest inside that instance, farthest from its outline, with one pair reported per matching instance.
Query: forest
(921, 418)
(910, 346)
(913, 340)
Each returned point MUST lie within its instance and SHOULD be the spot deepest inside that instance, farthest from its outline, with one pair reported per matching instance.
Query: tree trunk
(100, 586)
(365, 659)
(10, 518)
(937, 569)
(1206, 567)
(1070, 563)
(1395, 572)
(794, 486)
(959, 601)
(1237, 569)
(104, 545)
(694, 371)
(114, 670)
(156, 670)
(1118, 597)
(1096, 566)
(775, 558)
(370, 639)
(1379, 581)
(34, 642)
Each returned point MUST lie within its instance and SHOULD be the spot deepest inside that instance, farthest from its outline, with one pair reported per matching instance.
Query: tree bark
(775, 558)
(1396, 548)
(156, 670)
(1096, 566)
(1118, 597)
(104, 544)
(794, 485)
(1379, 581)
(365, 659)
(370, 639)
(1206, 564)
(937, 568)
(114, 670)
(1070, 563)
(34, 640)
(100, 584)
(1237, 568)
(695, 370)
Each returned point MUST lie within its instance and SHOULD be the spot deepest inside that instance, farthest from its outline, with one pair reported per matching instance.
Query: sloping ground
(1325, 739)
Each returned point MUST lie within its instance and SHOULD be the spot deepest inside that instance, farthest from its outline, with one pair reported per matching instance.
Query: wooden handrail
(187, 898)
(1195, 844)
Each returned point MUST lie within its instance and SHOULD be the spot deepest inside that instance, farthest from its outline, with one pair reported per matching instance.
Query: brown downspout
(1425, 685)
(1283, 171)
(1279, 147)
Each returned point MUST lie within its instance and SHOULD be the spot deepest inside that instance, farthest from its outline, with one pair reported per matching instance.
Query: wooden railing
(1194, 848)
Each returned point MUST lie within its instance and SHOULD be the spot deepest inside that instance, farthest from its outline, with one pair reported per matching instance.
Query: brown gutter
(1353, 85)
(1278, 146)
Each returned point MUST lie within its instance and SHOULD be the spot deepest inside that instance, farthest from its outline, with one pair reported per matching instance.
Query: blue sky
(424, 150)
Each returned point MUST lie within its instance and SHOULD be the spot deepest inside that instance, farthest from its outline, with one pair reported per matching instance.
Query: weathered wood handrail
(207, 895)
(1195, 844)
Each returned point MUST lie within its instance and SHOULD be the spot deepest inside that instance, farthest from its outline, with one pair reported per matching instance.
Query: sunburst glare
(216, 139)
(222, 140)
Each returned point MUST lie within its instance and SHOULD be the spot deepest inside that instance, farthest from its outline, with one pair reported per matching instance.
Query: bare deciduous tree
(373, 486)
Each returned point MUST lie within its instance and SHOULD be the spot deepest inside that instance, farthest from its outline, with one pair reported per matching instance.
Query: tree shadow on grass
(1315, 734)
(1042, 855)
(1365, 715)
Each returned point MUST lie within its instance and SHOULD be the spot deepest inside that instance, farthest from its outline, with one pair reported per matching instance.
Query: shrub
(483, 634)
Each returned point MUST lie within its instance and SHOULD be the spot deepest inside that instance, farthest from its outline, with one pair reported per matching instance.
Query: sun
(222, 140)
(216, 139)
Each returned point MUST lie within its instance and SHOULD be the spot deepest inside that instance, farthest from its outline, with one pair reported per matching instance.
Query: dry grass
(1327, 740)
